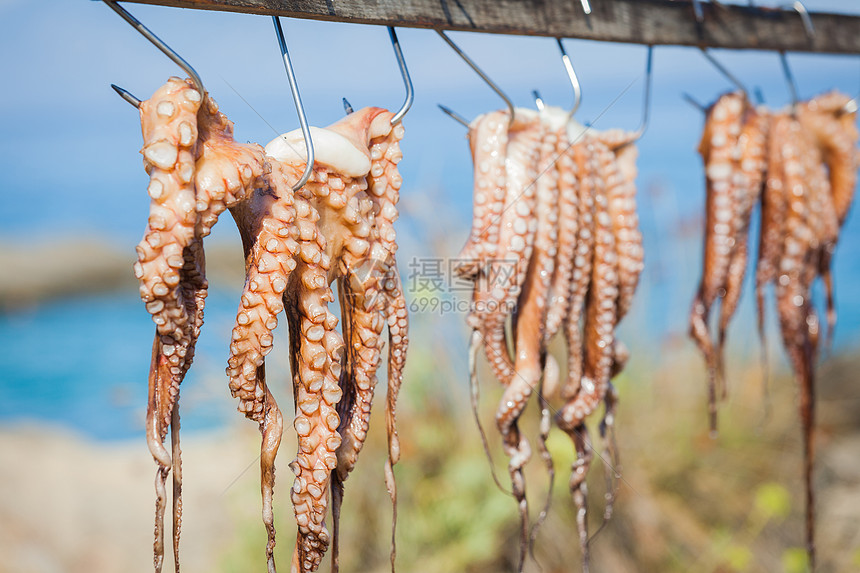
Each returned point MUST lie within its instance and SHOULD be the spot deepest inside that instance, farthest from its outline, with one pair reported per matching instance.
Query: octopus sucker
(338, 227)
(718, 149)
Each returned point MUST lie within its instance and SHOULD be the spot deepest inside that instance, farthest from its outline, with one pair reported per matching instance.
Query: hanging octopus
(554, 236)
(732, 148)
(196, 171)
(801, 164)
(355, 194)
(339, 227)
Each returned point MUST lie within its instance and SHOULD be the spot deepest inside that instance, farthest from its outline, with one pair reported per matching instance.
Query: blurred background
(75, 471)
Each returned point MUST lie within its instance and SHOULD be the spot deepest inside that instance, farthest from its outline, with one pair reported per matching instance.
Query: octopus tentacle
(363, 354)
(529, 327)
(718, 145)
(271, 219)
(398, 340)
(319, 348)
(507, 271)
(579, 488)
(177, 482)
(169, 126)
(796, 314)
(621, 195)
(835, 134)
(611, 461)
(545, 425)
(270, 263)
(488, 140)
(773, 213)
(169, 121)
(750, 175)
(600, 311)
(159, 371)
(599, 330)
(582, 264)
(568, 230)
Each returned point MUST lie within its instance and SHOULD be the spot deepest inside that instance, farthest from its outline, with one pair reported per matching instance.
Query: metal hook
(407, 81)
(789, 79)
(698, 12)
(723, 70)
(586, 7)
(574, 81)
(126, 95)
(158, 43)
(480, 72)
(805, 18)
(694, 102)
(454, 115)
(646, 101)
(783, 58)
(300, 110)
(538, 100)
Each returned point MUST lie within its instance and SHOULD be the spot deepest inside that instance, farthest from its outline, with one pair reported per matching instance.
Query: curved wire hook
(300, 109)
(407, 80)
(646, 101)
(698, 12)
(783, 58)
(574, 81)
(454, 115)
(586, 7)
(723, 70)
(538, 100)
(126, 95)
(158, 43)
(480, 72)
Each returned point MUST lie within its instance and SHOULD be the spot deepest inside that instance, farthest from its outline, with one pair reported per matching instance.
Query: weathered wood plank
(659, 22)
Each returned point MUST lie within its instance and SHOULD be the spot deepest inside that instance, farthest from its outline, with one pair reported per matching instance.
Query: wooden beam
(658, 22)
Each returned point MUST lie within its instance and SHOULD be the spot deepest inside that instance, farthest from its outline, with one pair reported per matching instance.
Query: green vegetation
(686, 502)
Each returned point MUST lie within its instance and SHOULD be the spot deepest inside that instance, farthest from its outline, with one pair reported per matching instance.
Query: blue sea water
(82, 363)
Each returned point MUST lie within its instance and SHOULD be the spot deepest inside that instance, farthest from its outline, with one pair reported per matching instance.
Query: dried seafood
(554, 236)
(802, 165)
(337, 228)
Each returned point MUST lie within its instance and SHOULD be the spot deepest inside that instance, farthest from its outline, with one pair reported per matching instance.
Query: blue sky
(69, 142)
